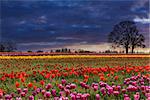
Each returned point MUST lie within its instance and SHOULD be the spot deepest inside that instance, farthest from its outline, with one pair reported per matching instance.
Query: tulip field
(75, 77)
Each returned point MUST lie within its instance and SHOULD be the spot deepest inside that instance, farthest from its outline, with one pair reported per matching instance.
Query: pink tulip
(23, 94)
(48, 86)
(103, 90)
(47, 94)
(67, 86)
(67, 91)
(61, 93)
(73, 97)
(137, 96)
(72, 86)
(95, 88)
(119, 87)
(25, 90)
(83, 97)
(109, 89)
(127, 98)
(63, 81)
(60, 86)
(19, 90)
(18, 98)
(43, 92)
(56, 98)
(123, 90)
(116, 93)
(97, 97)
(1, 94)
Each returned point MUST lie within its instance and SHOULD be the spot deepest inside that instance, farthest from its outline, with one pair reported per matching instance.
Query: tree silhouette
(2, 48)
(126, 35)
(7, 46)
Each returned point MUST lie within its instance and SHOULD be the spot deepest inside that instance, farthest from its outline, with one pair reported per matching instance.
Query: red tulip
(30, 85)
(17, 84)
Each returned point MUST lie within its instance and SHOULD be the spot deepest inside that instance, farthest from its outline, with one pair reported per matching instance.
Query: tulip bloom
(47, 94)
(63, 81)
(53, 92)
(97, 97)
(42, 82)
(30, 85)
(31, 97)
(17, 84)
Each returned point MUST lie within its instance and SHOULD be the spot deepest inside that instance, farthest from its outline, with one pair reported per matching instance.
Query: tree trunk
(126, 50)
(132, 49)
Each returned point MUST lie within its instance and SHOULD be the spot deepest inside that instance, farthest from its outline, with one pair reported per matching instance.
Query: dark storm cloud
(50, 22)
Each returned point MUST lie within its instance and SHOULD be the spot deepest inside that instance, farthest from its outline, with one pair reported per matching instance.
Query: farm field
(75, 77)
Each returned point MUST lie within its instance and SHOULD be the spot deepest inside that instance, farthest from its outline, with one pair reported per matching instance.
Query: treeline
(7, 47)
(66, 50)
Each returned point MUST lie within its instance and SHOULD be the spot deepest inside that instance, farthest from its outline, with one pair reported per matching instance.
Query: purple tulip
(109, 89)
(53, 92)
(34, 93)
(25, 90)
(8, 97)
(38, 90)
(31, 97)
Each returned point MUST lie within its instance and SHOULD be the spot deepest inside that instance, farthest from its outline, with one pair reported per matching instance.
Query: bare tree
(126, 35)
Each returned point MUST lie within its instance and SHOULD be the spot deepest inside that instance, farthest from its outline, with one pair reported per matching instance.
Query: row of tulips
(135, 87)
(76, 71)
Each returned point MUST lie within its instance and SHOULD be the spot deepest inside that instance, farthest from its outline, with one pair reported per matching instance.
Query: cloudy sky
(85, 24)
